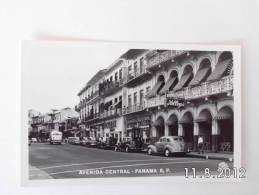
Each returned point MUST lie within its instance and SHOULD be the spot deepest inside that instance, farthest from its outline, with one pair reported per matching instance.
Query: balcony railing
(91, 116)
(205, 89)
(134, 108)
(110, 87)
(136, 73)
(111, 113)
(156, 101)
(164, 56)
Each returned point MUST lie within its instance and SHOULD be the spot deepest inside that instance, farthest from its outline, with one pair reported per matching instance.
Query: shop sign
(174, 102)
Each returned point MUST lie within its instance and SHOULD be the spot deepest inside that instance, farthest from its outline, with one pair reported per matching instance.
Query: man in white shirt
(200, 144)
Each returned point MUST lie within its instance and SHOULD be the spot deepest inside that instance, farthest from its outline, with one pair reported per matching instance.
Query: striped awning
(183, 81)
(220, 69)
(200, 76)
(224, 114)
(153, 91)
(167, 85)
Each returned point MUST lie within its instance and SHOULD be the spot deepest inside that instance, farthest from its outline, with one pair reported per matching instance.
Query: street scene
(72, 161)
(151, 112)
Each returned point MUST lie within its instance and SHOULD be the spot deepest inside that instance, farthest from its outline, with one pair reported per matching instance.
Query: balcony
(92, 117)
(156, 101)
(134, 108)
(109, 88)
(163, 57)
(138, 76)
(111, 113)
(224, 85)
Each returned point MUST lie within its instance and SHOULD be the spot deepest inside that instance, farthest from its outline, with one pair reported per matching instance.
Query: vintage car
(167, 145)
(91, 142)
(108, 143)
(129, 144)
(74, 140)
(84, 141)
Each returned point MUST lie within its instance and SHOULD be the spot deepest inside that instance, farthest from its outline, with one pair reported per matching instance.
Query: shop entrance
(172, 123)
(160, 127)
(205, 128)
(225, 124)
(187, 124)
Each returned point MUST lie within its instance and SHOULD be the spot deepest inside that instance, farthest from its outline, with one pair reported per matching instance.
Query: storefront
(138, 126)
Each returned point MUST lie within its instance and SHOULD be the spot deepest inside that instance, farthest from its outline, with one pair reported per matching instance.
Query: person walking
(200, 145)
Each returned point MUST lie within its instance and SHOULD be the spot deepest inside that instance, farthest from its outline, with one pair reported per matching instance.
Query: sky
(54, 72)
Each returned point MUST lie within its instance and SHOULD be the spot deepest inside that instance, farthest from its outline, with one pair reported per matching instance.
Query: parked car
(74, 140)
(91, 142)
(129, 144)
(84, 141)
(34, 140)
(167, 145)
(108, 143)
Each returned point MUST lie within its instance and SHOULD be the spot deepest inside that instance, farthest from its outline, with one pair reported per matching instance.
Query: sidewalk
(35, 173)
(211, 155)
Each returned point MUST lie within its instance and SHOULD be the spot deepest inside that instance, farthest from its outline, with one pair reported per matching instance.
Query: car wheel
(149, 151)
(167, 153)
(127, 149)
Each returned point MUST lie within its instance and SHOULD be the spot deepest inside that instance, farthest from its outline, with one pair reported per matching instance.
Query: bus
(55, 137)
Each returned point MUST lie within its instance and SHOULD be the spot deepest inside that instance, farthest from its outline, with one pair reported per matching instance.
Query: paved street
(72, 161)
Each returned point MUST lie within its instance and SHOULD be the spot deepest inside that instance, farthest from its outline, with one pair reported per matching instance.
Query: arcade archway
(160, 126)
(172, 123)
(205, 128)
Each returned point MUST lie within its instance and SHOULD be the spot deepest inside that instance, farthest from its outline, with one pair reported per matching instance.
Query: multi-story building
(61, 120)
(151, 93)
(89, 106)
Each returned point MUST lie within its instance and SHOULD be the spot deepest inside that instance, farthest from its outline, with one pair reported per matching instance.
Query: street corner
(37, 174)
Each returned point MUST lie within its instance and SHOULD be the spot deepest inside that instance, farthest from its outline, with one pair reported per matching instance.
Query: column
(215, 135)
(180, 130)
(195, 135)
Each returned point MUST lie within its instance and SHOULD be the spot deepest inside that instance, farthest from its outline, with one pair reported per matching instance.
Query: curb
(211, 157)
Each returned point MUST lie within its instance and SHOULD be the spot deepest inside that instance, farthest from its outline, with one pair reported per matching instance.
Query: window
(115, 100)
(148, 89)
(136, 66)
(135, 98)
(129, 69)
(141, 96)
(116, 76)
(120, 74)
(129, 100)
(111, 79)
(120, 98)
(141, 65)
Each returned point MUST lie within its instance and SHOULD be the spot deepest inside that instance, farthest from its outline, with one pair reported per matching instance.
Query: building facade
(167, 92)
(64, 120)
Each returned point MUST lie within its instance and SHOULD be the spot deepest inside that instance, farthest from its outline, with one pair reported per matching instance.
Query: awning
(184, 79)
(159, 122)
(172, 121)
(154, 90)
(186, 119)
(167, 85)
(220, 69)
(200, 76)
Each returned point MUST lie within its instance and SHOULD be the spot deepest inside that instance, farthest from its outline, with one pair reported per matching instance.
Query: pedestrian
(200, 145)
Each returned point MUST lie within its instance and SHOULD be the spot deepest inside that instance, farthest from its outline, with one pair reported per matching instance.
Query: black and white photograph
(119, 110)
